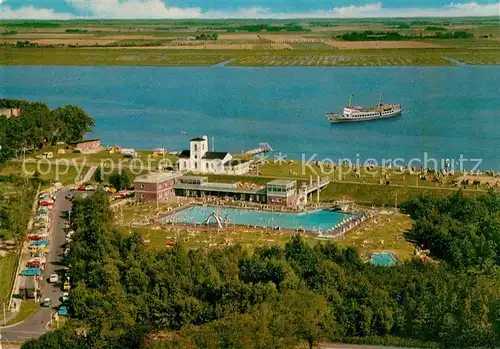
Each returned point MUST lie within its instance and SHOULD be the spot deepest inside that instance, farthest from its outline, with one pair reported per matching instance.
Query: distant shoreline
(161, 56)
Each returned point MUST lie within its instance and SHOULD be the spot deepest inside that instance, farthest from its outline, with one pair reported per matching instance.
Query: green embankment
(8, 264)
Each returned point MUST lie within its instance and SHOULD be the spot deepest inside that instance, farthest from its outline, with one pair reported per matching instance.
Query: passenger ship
(354, 114)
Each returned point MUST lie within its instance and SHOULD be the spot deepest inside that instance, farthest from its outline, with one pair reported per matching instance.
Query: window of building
(196, 147)
(207, 165)
(195, 165)
(196, 157)
(142, 186)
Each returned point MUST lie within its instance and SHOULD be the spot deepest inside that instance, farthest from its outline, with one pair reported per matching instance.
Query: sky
(177, 9)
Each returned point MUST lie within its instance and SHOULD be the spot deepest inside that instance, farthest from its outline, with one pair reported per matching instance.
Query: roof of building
(281, 182)
(219, 188)
(212, 155)
(197, 139)
(236, 162)
(185, 154)
(157, 177)
(193, 178)
(86, 141)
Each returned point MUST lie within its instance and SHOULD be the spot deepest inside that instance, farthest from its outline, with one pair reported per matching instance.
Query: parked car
(47, 302)
(63, 310)
(89, 188)
(69, 196)
(65, 296)
(67, 285)
(54, 278)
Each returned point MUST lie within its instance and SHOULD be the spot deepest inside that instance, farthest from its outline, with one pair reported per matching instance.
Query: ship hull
(336, 118)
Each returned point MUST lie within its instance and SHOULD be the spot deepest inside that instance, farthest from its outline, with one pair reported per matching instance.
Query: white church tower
(198, 149)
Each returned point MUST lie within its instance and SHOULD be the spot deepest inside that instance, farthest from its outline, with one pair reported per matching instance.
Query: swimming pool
(384, 259)
(309, 221)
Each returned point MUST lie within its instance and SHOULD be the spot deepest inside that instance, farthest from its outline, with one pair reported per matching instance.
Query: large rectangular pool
(308, 221)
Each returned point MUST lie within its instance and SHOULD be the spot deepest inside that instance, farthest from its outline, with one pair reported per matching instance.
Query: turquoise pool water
(309, 221)
(384, 259)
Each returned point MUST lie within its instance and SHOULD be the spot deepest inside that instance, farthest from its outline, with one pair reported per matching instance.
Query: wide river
(448, 111)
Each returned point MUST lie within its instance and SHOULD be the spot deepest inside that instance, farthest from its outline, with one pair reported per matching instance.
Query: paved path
(89, 174)
(34, 326)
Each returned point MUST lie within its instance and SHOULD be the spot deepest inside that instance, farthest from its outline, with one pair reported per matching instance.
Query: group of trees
(461, 230)
(395, 36)
(276, 297)
(38, 126)
(205, 36)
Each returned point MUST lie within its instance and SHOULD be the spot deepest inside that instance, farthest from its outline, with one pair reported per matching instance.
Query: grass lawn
(48, 172)
(364, 190)
(210, 238)
(142, 212)
(7, 274)
(382, 233)
(28, 307)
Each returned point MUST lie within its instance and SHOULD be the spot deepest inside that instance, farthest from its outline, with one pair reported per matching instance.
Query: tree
(120, 181)
(74, 123)
(98, 175)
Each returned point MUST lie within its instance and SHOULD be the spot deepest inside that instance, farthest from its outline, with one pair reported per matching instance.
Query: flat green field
(206, 57)
(48, 172)
(7, 272)
(28, 307)
(110, 56)
(156, 239)
(382, 233)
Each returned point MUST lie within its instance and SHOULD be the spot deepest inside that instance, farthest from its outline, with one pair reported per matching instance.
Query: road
(35, 326)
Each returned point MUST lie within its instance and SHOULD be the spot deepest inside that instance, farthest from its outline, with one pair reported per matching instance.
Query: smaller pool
(308, 221)
(386, 259)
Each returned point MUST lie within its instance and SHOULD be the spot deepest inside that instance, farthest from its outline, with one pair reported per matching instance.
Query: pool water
(309, 221)
(384, 259)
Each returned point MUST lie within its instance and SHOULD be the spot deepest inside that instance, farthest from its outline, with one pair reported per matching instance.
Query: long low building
(194, 186)
(160, 186)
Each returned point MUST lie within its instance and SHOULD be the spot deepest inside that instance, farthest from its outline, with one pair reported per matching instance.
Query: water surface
(310, 221)
(448, 111)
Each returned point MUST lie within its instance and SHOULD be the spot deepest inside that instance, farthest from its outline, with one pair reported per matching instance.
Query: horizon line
(235, 18)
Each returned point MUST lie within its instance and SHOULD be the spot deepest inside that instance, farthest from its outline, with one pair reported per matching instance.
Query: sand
(287, 38)
(241, 36)
(186, 47)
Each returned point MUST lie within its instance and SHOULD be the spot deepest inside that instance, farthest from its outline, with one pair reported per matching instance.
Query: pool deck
(337, 231)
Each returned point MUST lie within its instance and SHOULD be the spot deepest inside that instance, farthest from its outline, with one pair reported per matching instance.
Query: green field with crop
(206, 57)
(89, 56)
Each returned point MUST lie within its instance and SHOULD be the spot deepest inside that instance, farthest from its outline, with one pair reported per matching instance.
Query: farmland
(421, 42)
(204, 57)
